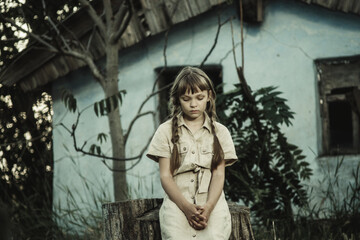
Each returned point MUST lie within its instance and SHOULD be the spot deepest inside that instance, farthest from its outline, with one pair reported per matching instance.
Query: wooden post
(139, 220)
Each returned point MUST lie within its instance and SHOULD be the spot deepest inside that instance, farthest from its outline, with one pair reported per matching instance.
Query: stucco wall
(280, 51)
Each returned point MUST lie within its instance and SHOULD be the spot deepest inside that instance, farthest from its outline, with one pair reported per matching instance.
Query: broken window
(168, 75)
(339, 92)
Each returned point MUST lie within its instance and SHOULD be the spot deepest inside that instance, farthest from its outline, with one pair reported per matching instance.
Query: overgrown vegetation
(25, 160)
(270, 170)
(270, 174)
(267, 186)
(333, 215)
(79, 219)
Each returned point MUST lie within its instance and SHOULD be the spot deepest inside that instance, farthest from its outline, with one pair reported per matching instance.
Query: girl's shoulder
(220, 127)
(165, 127)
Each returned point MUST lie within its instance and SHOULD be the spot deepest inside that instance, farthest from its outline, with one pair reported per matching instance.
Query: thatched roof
(36, 67)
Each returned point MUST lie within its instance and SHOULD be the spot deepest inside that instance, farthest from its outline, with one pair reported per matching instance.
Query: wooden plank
(347, 69)
(356, 132)
(345, 5)
(177, 10)
(17, 70)
(155, 15)
(356, 7)
(217, 2)
(336, 97)
(204, 5)
(132, 34)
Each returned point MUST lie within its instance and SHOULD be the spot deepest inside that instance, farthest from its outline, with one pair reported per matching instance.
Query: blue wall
(280, 51)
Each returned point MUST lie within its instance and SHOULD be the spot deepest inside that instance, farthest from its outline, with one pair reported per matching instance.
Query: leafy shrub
(269, 172)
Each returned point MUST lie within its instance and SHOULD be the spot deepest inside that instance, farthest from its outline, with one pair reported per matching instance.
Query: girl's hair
(192, 79)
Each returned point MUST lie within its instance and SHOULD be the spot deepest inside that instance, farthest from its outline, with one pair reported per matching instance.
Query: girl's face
(193, 104)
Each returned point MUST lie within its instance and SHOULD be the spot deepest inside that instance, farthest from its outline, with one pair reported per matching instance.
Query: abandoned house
(309, 49)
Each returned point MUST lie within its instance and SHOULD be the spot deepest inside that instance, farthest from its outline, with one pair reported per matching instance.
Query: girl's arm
(195, 219)
(215, 190)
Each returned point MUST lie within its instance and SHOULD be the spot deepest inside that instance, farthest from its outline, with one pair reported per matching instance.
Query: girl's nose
(193, 103)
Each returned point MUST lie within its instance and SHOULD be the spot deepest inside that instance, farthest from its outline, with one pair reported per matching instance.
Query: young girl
(192, 150)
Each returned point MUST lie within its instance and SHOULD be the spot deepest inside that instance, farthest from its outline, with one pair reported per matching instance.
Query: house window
(339, 92)
(168, 75)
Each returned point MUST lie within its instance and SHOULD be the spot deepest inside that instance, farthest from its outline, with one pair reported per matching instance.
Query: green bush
(268, 176)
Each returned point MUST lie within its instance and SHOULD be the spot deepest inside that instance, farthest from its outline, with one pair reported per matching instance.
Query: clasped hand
(197, 216)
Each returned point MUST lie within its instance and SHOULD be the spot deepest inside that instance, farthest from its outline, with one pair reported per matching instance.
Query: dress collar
(206, 124)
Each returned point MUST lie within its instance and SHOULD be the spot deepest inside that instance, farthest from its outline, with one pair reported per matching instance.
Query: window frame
(329, 71)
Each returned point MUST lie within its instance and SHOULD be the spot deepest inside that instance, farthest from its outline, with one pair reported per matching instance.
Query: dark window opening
(339, 98)
(341, 129)
(342, 90)
(167, 76)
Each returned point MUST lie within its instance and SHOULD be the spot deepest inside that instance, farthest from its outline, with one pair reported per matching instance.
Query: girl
(192, 150)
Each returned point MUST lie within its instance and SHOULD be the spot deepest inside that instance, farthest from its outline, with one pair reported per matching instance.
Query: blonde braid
(175, 160)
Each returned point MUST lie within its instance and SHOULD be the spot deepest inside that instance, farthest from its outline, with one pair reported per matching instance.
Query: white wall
(280, 51)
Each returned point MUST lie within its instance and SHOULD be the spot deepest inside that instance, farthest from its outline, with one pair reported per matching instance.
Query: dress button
(192, 197)
(184, 148)
(192, 180)
(193, 152)
(194, 235)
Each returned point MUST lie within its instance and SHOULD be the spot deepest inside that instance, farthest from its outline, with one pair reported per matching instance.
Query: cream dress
(193, 179)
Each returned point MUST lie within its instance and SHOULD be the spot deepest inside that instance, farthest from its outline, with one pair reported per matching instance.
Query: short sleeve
(159, 145)
(227, 145)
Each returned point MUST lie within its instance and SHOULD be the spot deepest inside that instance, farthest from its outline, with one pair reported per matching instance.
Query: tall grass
(78, 216)
(334, 213)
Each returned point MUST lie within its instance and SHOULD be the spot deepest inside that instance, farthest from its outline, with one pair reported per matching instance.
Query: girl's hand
(194, 217)
(205, 211)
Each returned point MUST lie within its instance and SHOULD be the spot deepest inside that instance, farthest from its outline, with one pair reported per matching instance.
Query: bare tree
(110, 24)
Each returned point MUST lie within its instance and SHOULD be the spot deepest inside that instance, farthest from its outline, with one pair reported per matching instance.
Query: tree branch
(242, 35)
(121, 24)
(90, 38)
(97, 20)
(165, 60)
(215, 40)
(108, 14)
(233, 43)
(33, 139)
(133, 121)
(240, 70)
(153, 92)
(120, 14)
(81, 149)
(50, 47)
(77, 40)
(136, 163)
(89, 61)
(14, 39)
(53, 25)
(247, 93)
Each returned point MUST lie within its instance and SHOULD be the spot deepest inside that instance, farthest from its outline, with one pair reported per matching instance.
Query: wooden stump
(139, 220)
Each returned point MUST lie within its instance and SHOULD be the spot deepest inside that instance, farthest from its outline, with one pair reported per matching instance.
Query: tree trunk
(116, 132)
(139, 220)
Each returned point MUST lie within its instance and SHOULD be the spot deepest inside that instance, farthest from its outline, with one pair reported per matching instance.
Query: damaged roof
(35, 67)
